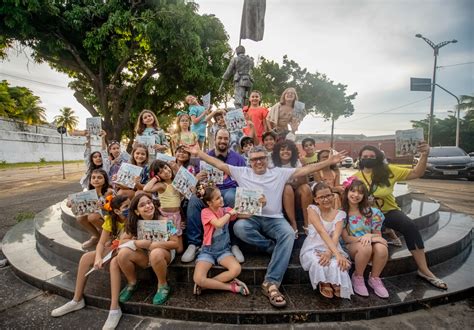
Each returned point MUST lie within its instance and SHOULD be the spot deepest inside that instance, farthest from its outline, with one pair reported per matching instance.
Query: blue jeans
(194, 230)
(272, 235)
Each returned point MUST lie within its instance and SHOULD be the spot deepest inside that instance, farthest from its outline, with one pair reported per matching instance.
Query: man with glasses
(270, 232)
(194, 229)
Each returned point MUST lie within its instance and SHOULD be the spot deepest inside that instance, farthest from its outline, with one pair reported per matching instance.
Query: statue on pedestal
(240, 67)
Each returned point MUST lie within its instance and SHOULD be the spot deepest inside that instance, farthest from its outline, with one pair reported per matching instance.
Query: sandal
(270, 290)
(162, 295)
(326, 290)
(337, 290)
(244, 290)
(436, 282)
(197, 290)
(395, 242)
(127, 292)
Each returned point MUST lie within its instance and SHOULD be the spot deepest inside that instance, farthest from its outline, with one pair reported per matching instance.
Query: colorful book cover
(235, 120)
(184, 181)
(407, 141)
(165, 157)
(214, 174)
(127, 173)
(247, 201)
(94, 125)
(156, 230)
(84, 202)
(206, 100)
(299, 109)
(149, 141)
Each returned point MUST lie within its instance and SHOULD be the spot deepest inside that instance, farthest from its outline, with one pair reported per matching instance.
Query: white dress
(309, 258)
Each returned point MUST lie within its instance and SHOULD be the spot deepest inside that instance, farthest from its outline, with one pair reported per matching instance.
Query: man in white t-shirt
(270, 231)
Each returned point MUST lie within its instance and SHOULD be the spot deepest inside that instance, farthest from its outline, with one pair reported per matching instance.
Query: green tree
(67, 118)
(444, 131)
(7, 104)
(319, 93)
(467, 103)
(122, 56)
(21, 104)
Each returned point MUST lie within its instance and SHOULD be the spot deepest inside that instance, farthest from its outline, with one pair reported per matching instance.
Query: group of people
(343, 222)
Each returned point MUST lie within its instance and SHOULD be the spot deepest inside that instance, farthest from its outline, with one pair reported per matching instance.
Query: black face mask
(368, 163)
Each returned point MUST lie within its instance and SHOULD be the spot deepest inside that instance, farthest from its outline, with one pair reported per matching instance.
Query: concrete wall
(27, 143)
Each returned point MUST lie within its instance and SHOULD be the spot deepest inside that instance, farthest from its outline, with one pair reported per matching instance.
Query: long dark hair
(276, 152)
(381, 172)
(106, 185)
(332, 166)
(115, 205)
(93, 166)
(364, 205)
(181, 147)
(133, 217)
(156, 167)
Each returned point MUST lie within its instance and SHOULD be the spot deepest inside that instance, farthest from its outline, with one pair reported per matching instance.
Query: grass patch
(4, 165)
(23, 215)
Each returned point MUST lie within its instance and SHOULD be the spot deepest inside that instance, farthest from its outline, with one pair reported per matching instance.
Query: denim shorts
(212, 257)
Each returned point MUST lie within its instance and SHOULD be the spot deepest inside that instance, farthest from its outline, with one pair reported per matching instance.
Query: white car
(347, 162)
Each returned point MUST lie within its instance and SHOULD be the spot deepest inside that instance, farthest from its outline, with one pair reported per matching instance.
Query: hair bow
(108, 206)
(347, 182)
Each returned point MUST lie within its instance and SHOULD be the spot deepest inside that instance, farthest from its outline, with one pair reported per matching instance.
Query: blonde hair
(140, 126)
(289, 89)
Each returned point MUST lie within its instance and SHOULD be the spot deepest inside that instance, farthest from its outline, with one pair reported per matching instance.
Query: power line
(32, 80)
(449, 65)
(393, 109)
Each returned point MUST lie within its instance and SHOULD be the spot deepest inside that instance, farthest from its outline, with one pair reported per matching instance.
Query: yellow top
(170, 197)
(310, 160)
(386, 193)
(107, 225)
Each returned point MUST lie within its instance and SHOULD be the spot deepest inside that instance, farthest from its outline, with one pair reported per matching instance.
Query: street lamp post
(436, 48)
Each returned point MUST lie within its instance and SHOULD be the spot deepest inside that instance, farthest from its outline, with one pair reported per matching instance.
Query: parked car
(450, 162)
(347, 162)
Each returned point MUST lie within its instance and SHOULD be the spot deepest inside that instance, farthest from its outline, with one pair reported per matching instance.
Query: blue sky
(368, 45)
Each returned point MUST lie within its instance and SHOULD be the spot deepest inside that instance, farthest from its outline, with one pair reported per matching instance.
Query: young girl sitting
(93, 160)
(139, 158)
(113, 227)
(148, 125)
(321, 254)
(183, 135)
(116, 157)
(363, 238)
(216, 247)
(170, 199)
(92, 222)
(159, 256)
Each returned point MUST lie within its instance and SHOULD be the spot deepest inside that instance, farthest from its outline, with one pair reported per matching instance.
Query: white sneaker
(69, 307)
(237, 253)
(189, 254)
(3, 263)
(113, 319)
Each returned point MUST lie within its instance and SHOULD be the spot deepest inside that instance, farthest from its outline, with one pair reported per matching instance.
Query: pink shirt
(207, 215)
(258, 115)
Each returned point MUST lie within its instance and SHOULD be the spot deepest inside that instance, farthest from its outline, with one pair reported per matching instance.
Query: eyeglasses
(325, 197)
(258, 159)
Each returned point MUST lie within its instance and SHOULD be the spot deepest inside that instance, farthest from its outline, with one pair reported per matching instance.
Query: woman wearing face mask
(380, 179)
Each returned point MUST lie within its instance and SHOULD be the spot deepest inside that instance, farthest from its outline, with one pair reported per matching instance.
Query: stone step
(442, 244)
(407, 293)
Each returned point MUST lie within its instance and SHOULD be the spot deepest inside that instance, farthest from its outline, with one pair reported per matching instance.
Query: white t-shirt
(272, 182)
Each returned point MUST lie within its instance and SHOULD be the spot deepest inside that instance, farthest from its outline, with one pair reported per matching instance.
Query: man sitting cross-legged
(270, 232)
